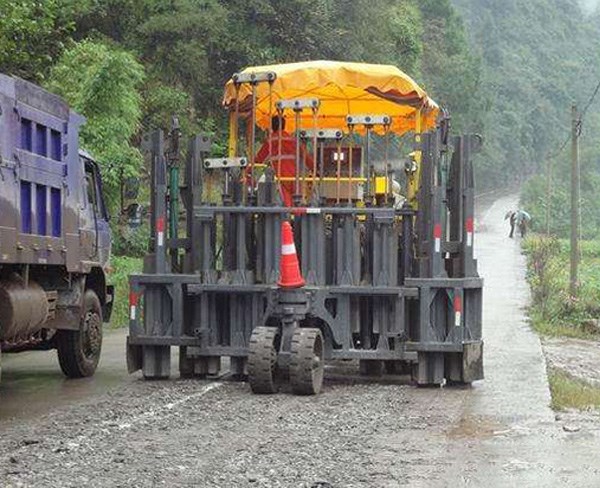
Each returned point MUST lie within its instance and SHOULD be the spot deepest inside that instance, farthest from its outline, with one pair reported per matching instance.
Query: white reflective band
(288, 249)
(132, 312)
(161, 238)
(457, 319)
(469, 239)
(438, 244)
(310, 210)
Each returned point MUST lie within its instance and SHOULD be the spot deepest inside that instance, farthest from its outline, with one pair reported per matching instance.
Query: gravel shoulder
(499, 432)
(578, 357)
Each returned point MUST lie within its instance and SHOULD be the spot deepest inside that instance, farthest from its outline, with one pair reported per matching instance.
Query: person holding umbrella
(519, 218)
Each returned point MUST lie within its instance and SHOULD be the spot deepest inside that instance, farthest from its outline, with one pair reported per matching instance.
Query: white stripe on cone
(287, 249)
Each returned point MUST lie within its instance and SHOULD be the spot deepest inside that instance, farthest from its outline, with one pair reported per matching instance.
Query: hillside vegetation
(509, 69)
(538, 57)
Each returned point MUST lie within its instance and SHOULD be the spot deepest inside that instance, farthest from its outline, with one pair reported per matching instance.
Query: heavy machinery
(393, 285)
(54, 235)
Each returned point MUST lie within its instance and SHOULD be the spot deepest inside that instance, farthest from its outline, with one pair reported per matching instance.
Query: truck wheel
(79, 350)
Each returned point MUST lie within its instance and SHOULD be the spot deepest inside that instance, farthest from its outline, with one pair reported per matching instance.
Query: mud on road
(499, 432)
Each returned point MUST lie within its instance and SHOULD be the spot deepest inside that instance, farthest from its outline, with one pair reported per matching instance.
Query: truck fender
(68, 306)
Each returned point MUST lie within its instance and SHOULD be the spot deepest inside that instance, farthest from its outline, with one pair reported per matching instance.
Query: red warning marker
(289, 268)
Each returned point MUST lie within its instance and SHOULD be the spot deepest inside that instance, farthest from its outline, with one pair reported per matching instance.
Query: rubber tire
(74, 362)
(262, 360)
(307, 361)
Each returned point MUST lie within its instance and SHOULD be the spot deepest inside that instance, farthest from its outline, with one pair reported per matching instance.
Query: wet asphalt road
(116, 430)
(33, 384)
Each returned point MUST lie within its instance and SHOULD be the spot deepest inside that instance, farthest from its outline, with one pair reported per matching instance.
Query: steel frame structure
(384, 285)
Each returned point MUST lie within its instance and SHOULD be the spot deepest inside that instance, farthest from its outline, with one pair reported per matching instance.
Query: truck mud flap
(472, 359)
(134, 357)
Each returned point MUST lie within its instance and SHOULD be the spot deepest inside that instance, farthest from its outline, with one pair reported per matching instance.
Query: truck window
(93, 189)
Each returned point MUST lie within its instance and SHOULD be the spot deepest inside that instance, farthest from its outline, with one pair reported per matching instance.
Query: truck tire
(79, 350)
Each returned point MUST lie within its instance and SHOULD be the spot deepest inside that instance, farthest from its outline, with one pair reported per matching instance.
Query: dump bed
(42, 181)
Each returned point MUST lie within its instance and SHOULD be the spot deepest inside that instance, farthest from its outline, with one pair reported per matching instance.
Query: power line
(590, 101)
(561, 148)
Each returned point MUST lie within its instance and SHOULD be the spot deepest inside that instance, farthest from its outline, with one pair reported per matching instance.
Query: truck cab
(54, 232)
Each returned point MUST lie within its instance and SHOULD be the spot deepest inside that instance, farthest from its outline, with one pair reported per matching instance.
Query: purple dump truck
(54, 234)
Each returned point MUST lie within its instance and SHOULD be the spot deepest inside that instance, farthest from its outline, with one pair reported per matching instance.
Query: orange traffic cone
(289, 268)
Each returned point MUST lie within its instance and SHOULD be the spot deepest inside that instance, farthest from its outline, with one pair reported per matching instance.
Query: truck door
(95, 232)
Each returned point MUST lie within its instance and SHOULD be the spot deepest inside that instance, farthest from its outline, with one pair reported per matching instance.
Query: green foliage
(122, 267)
(553, 311)
(101, 82)
(452, 73)
(33, 33)
(534, 198)
(128, 241)
(130, 65)
(538, 56)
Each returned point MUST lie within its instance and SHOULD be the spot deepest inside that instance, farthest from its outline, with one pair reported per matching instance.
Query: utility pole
(548, 194)
(576, 129)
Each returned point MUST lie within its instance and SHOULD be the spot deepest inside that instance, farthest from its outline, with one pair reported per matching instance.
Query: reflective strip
(469, 239)
(287, 249)
(457, 311)
(470, 224)
(160, 229)
(133, 300)
(437, 235)
(457, 319)
(470, 228)
(310, 210)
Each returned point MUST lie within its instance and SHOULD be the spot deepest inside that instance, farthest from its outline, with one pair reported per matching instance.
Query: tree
(102, 83)
(33, 34)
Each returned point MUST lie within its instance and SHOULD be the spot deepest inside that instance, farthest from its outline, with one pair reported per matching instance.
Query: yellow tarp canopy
(343, 89)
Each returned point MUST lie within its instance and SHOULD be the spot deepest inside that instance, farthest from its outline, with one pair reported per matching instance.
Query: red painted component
(457, 304)
(160, 224)
(469, 224)
(437, 231)
(133, 298)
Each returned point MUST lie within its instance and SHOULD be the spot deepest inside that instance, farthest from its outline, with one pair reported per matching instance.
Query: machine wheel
(79, 350)
(307, 361)
(262, 360)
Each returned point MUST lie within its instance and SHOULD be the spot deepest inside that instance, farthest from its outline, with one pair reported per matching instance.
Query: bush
(122, 267)
(128, 241)
(553, 310)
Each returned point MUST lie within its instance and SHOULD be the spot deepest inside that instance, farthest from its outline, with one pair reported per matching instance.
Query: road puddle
(477, 427)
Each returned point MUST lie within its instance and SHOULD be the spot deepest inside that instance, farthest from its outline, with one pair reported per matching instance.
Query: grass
(122, 267)
(553, 311)
(568, 392)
